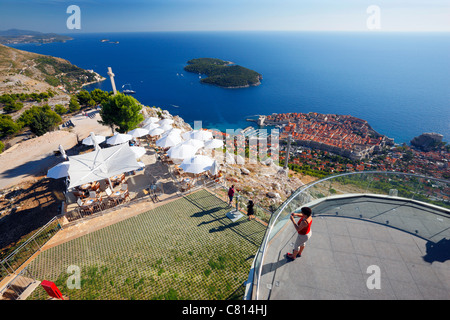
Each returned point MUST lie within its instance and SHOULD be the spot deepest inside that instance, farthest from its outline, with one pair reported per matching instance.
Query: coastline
(344, 135)
(402, 126)
(98, 77)
(92, 82)
(237, 87)
(217, 76)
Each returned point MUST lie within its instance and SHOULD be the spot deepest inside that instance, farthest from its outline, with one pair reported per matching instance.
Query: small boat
(128, 91)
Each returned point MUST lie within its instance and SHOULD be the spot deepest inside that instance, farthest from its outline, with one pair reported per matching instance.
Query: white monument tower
(111, 76)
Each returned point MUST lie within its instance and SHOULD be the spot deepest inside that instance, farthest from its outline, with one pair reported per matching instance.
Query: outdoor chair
(98, 204)
(79, 194)
(84, 208)
(111, 199)
(106, 203)
(185, 185)
(125, 195)
(96, 186)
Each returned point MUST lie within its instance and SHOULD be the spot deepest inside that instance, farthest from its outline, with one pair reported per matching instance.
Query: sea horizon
(397, 81)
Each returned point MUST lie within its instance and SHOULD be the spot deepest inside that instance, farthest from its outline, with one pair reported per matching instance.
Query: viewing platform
(365, 243)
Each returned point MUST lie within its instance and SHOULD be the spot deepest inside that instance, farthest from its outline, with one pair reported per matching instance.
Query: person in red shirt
(303, 228)
(231, 194)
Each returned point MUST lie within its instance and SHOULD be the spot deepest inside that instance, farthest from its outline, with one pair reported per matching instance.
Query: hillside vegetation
(22, 71)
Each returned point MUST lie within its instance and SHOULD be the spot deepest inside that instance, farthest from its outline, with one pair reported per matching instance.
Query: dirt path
(32, 158)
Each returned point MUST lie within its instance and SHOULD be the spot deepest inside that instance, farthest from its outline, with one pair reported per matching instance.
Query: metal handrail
(29, 240)
(15, 280)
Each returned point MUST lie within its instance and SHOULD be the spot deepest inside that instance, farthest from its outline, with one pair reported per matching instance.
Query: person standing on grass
(303, 228)
(250, 210)
(231, 194)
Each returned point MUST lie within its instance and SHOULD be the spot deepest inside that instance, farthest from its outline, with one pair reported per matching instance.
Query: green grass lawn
(185, 249)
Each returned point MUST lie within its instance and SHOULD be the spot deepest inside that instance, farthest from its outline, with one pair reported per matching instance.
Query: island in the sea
(223, 73)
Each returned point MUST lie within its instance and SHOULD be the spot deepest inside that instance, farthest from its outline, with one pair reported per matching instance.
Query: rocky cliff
(428, 141)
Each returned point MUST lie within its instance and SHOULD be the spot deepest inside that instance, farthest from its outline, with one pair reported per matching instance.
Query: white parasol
(194, 142)
(166, 127)
(63, 152)
(165, 121)
(198, 134)
(151, 126)
(156, 132)
(150, 120)
(182, 151)
(172, 131)
(214, 169)
(138, 151)
(213, 143)
(169, 140)
(61, 170)
(139, 132)
(196, 164)
(101, 164)
(119, 138)
(90, 141)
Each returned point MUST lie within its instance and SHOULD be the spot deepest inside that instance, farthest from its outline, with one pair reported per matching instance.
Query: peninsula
(223, 73)
(25, 72)
(340, 134)
(13, 36)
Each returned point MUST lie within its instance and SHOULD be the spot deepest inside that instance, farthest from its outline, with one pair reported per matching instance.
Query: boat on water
(128, 89)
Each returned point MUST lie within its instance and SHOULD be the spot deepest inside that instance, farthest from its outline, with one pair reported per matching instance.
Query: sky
(226, 15)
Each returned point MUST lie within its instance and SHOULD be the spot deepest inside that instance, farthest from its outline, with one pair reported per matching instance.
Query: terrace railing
(17, 286)
(416, 189)
(22, 254)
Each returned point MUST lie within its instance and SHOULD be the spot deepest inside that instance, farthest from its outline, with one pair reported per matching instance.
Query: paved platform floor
(337, 262)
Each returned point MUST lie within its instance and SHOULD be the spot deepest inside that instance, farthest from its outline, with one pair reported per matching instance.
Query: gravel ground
(32, 158)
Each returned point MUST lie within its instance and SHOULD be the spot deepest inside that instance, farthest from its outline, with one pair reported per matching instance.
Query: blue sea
(398, 82)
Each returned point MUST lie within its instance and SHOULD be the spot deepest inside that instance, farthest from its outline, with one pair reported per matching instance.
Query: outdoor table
(85, 186)
(116, 194)
(89, 201)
